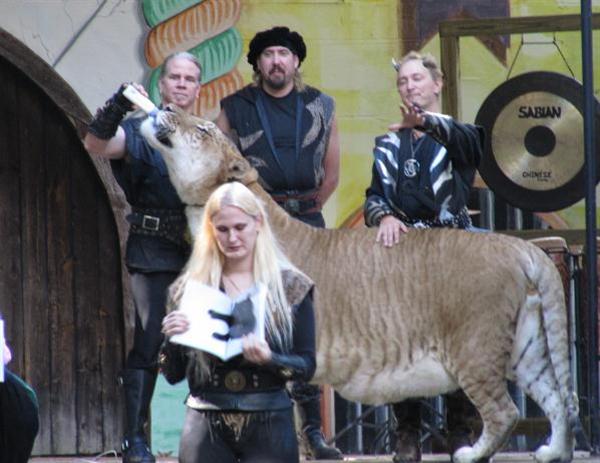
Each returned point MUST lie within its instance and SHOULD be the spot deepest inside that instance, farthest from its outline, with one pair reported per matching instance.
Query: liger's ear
(238, 169)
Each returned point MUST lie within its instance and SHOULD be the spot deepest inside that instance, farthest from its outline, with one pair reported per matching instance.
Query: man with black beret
(288, 132)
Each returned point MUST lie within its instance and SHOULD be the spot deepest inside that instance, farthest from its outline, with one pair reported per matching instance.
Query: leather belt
(243, 380)
(296, 202)
(170, 224)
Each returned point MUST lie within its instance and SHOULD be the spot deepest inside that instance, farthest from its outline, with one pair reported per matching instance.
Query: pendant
(411, 168)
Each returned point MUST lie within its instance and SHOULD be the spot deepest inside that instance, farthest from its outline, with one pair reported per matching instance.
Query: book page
(254, 300)
(197, 301)
(218, 323)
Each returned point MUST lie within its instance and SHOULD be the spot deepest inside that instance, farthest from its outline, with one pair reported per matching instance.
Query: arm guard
(108, 118)
(464, 141)
(292, 367)
(300, 364)
(438, 126)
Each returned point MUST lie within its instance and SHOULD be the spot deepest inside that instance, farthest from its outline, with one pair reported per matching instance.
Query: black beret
(277, 36)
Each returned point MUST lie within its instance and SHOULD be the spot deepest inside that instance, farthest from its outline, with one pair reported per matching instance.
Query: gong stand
(540, 153)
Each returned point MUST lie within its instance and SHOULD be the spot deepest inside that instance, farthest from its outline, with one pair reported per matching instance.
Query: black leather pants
(149, 292)
(268, 437)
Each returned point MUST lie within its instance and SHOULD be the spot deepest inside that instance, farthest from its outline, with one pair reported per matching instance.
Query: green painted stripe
(156, 11)
(217, 56)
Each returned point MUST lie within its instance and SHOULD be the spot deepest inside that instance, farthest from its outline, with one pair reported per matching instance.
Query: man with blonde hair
(422, 175)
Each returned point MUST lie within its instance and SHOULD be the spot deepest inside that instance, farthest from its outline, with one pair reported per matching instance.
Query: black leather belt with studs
(243, 380)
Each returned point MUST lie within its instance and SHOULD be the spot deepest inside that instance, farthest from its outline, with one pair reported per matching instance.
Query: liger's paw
(544, 454)
(464, 455)
(468, 455)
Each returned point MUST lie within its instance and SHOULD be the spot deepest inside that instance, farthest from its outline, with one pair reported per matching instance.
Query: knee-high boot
(408, 431)
(461, 418)
(308, 398)
(138, 386)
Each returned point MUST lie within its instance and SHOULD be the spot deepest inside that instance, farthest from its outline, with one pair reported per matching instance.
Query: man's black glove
(108, 118)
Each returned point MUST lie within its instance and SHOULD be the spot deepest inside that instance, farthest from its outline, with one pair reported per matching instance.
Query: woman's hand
(413, 116)
(175, 323)
(389, 231)
(255, 350)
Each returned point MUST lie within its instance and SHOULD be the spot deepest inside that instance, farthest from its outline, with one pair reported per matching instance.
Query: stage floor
(513, 457)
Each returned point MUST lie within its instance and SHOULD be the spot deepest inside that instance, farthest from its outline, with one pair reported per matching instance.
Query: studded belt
(243, 381)
(170, 224)
(297, 203)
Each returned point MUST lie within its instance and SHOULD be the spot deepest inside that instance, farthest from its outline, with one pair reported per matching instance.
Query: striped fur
(443, 309)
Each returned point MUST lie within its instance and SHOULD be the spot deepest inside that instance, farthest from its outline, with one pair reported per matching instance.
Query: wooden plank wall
(60, 273)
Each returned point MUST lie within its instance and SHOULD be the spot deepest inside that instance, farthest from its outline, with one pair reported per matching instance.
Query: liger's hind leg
(534, 373)
(498, 413)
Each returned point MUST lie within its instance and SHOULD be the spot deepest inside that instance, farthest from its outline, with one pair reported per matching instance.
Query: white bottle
(133, 95)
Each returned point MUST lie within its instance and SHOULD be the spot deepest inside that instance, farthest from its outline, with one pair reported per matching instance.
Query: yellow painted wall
(350, 44)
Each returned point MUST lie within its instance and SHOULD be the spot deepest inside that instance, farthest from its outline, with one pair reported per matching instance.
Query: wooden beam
(449, 62)
(328, 411)
(503, 26)
(451, 31)
(573, 237)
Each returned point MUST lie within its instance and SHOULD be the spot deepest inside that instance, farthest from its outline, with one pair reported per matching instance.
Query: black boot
(309, 406)
(461, 418)
(408, 431)
(138, 386)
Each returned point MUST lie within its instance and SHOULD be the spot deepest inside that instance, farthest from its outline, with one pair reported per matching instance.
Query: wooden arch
(61, 291)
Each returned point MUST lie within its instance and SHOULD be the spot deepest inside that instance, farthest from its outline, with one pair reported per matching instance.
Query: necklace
(411, 165)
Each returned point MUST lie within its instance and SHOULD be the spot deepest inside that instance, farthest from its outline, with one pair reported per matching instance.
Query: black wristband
(108, 118)
(119, 99)
(435, 126)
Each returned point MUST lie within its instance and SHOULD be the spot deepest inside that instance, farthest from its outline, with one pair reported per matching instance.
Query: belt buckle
(292, 205)
(150, 222)
(235, 381)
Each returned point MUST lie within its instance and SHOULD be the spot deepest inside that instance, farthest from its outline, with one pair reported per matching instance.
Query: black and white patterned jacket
(425, 181)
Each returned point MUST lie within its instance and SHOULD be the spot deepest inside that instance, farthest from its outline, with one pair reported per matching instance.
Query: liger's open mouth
(162, 135)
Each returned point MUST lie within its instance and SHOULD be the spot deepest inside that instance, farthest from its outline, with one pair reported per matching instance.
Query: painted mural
(206, 30)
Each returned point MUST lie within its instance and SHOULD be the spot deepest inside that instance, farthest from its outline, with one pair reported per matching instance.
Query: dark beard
(275, 85)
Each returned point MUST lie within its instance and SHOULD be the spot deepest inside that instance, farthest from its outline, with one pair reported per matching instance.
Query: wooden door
(60, 272)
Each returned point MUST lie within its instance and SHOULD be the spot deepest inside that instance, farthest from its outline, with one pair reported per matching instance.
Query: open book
(217, 323)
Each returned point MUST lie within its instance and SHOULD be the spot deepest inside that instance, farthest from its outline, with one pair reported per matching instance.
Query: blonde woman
(240, 410)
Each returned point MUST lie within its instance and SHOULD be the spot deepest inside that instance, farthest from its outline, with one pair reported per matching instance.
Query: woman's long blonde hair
(206, 263)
